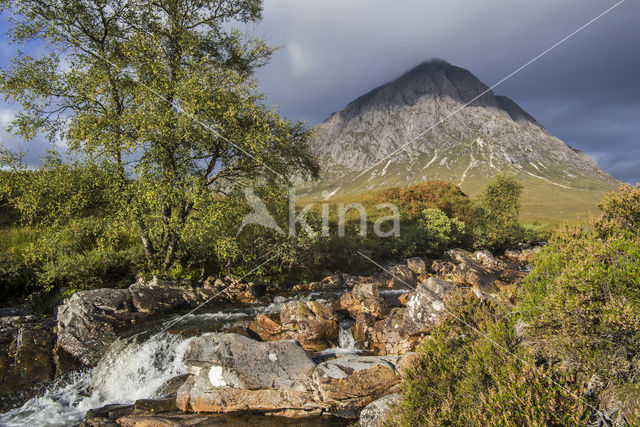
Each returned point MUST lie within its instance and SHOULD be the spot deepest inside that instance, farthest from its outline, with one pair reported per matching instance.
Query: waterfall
(132, 369)
(345, 337)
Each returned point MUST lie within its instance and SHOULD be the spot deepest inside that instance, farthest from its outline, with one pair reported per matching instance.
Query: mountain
(427, 124)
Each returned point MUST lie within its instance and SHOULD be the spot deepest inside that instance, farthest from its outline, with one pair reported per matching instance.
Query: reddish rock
(364, 298)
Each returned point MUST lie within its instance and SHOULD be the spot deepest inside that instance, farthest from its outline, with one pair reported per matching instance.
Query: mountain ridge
(481, 135)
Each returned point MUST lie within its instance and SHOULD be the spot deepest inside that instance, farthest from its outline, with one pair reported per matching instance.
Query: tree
(499, 209)
(160, 91)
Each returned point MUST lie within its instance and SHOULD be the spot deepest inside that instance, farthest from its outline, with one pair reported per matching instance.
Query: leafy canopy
(160, 91)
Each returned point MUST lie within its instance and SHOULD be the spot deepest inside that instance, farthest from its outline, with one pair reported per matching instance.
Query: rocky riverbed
(329, 351)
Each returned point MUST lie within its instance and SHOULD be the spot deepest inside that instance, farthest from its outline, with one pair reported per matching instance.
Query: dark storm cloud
(585, 91)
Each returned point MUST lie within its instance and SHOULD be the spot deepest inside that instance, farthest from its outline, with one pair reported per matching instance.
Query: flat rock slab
(236, 360)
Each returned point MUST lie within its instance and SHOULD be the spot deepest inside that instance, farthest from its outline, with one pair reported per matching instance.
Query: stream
(139, 362)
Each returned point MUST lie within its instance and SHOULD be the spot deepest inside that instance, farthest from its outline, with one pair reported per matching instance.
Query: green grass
(14, 236)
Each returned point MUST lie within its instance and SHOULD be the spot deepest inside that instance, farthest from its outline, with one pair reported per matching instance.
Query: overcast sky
(586, 91)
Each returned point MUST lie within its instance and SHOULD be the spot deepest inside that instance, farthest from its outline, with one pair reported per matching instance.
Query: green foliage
(58, 192)
(214, 243)
(161, 94)
(582, 298)
(84, 254)
(470, 371)
(498, 227)
(578, 314)
(14, 275)
(414, 199)
(440, 232)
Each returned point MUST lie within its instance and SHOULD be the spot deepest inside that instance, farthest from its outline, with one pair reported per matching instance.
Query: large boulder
(364, 298)
(348, 384)
(88, 321)
(379, 412)
(164, 297)
(232, 373)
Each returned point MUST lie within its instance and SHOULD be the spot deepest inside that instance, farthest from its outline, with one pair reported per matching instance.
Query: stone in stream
(87, 322)
(364, 298)
(313, 324)
(233, 373)
(347, 384)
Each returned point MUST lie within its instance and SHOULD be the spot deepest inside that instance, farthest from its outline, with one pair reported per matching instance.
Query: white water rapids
(132, 369)
(135, 367)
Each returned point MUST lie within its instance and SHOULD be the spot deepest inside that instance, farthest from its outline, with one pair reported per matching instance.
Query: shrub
(582, 298)
(470, 371)
(440, 232)
(14, 275)
(86, 253)
(56, 193)
(499, 208)
(579, 319)
(414, 199)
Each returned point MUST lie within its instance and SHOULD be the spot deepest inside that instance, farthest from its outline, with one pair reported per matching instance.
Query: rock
(88, 321)
(330, 282)
(154, 406)
(403, 328)
(443, 268)
(204, 397)
(106, 416)
(487, 259)
(403, 299)
(378, 412)
(312, 323)
(522, 255)
(469, 272)
(350, 383)
(160, 297)
(406, 361)
(171, 386)
(171, 420)
(267, 327)
(26, 352)
(417, 265)
(425, 306)
(399, 276)
(233, 373)
(245, 363)
(232, 290)
(384, 336)
(364, 298)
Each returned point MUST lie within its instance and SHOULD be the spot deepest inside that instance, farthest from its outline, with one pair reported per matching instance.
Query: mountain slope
(392, 136)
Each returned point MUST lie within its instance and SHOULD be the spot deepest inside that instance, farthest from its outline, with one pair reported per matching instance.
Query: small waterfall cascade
(133, 368)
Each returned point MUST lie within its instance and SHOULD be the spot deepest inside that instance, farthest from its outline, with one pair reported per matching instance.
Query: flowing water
(136, 365)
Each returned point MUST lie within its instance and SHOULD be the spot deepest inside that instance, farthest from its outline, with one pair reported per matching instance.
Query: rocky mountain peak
(441, 122)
